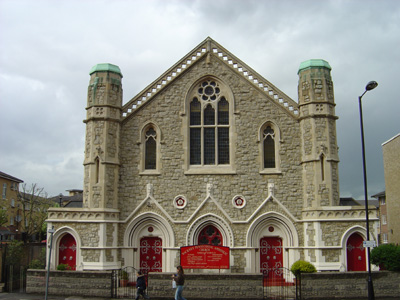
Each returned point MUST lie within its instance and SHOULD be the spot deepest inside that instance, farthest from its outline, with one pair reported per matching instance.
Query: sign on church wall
(205, 257)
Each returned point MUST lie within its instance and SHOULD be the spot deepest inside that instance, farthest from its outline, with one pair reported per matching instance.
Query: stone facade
(294, 200)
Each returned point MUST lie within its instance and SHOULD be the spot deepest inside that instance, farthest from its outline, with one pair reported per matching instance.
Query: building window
(12, 220)
(4, 190)
(384, 220)
(209, 125)
(12, 203)
(210, 235)
(384, 238)
(150, 149)
(382, 201)
(269, 147)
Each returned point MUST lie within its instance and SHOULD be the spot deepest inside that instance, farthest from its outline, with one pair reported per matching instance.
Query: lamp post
(51, 231)
(370, 86)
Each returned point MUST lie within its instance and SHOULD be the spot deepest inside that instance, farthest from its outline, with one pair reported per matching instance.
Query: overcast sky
(47, 49)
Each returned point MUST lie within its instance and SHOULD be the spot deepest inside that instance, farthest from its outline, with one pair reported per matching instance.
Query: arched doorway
(151, 254)
(210, 235)
(271, 256)
(67, 251)
(355, 253)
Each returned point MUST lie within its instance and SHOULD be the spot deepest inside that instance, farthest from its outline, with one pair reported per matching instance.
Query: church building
(211, 153)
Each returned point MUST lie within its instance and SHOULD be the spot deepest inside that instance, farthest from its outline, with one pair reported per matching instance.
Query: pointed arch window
(150, 149)
(269, 138)
(269, 147)
(210, 235)
(209, 126)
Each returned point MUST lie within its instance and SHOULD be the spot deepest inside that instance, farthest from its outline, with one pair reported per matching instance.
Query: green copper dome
(314, 63)
(105, 68)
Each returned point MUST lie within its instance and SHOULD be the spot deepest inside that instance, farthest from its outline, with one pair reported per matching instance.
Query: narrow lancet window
(269, 147)
(151, 149)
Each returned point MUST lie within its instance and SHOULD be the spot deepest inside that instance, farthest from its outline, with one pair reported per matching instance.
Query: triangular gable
(210, 47)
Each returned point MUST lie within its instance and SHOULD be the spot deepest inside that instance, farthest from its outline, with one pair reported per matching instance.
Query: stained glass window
(210, 235)
(209, 126)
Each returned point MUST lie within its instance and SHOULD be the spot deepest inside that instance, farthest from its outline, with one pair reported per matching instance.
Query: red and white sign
(205, 257)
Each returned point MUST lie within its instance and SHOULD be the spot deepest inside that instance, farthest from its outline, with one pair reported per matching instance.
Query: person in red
(180, 281)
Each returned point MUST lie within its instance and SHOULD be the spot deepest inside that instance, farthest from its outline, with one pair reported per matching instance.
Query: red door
(151, 254)
(355, 253)
(67, 251)
(271, 257)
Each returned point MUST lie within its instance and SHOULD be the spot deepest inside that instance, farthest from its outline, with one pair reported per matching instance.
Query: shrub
(63, 267)
(302, 266)
(387, 256)
(36, 264)
(15, 252)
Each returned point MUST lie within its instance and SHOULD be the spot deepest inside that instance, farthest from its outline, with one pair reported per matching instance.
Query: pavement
(25, 296)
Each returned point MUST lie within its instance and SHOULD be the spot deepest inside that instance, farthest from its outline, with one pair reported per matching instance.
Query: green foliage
(15, 252)
(36, 264)
(40, 262)
(387, 256)
(302, 266)
(63, 267)
(124, 275)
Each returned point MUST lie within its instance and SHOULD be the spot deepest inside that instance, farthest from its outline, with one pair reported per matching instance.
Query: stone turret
(103, 119)
(318, 132)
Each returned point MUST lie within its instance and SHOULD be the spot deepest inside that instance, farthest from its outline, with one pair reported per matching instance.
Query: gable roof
(9, 177)
(210, 47)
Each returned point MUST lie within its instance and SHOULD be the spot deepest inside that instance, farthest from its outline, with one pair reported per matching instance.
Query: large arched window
(210, 235)
(209, 125)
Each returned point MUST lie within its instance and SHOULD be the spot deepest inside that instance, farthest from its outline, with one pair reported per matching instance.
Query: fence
(123, 282)
(280, 283)
(14, 278)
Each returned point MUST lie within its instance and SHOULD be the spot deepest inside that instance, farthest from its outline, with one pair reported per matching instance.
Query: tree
(34, 206)
(3, 214)
(387, 256)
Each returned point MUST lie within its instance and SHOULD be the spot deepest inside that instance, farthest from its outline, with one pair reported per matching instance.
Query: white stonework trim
(133, 231)
(101, 265)
(138, 229)
(239, 204)
(210, 219)
(284, 228)
(221, 209)
(177, 205)
(57, 236)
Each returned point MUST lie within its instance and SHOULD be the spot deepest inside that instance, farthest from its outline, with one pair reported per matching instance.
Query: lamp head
(371, 85)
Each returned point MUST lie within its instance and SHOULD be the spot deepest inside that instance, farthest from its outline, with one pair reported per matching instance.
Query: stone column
(318, 132)
(103, 119)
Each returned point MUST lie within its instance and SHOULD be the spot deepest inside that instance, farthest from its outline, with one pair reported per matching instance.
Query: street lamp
(370, 86)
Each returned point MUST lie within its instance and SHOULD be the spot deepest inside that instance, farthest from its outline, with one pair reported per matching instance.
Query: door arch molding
(214, 220)
(139, 226)
(57, 237)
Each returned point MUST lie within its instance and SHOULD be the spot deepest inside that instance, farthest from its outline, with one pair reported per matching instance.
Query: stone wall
(349, 285)
(208, 286)
(70, 283)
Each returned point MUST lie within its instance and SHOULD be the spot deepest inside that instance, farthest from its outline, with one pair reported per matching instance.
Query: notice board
(205, 257)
